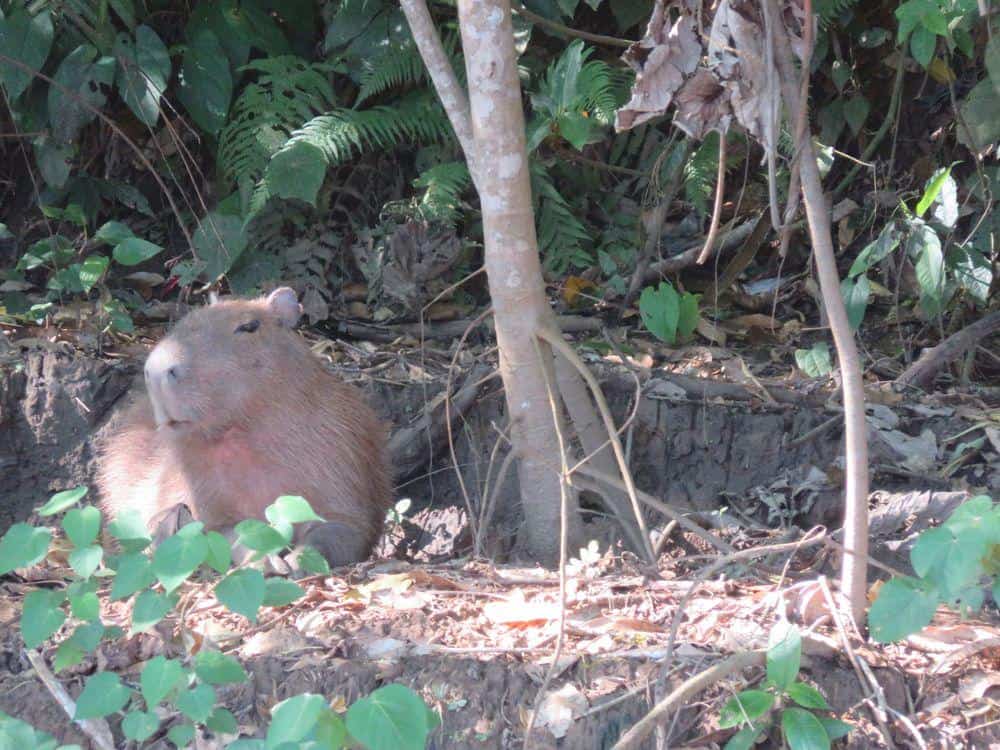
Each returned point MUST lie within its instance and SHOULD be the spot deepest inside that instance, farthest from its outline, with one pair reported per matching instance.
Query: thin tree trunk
(854, 568)
(512, 263)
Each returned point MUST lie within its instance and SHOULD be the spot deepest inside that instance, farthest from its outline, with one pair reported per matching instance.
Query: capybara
(238, 412)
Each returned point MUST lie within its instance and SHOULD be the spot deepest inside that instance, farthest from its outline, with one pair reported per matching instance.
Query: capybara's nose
(164, 368)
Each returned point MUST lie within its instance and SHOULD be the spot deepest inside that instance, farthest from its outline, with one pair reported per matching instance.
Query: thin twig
(720, 188)
(610, 41)
(97, 729)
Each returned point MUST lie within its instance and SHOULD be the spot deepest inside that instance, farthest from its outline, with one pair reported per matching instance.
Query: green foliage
(669, 316)
(393, 716)
(753, 710)
(954, 563)
(561, 235)
(443, 186)
(923, 21)
(815, 362)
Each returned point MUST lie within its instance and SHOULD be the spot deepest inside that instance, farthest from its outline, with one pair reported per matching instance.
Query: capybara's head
(221, 363)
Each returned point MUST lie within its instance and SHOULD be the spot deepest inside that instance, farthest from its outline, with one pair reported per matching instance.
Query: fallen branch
(97, 729)
(921, 373)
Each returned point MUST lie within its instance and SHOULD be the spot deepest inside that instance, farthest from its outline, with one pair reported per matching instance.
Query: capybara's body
(237, 413)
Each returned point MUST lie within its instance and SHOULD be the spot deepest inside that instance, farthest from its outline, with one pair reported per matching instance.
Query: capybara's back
(238, 412)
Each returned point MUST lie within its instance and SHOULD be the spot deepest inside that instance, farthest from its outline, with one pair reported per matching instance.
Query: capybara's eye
(248, 327)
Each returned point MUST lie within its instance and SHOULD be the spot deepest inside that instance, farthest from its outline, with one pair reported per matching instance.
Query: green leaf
(84, 640)
(220, 555)
(82, 525)
(290, 509)
(808, 697)
(102, 694)
(206, 82)
(391, 718)
(222, 721)
(242, 591)
(83, 73)
(932, 189)
(924, 243)
(687, 319)
(991, 58)
(835, 728)
(85, 560)
(873, 37)
(91, 270)
(293, 719)
(884, 244)
(903, 607)
(133, 251)
(814, 362)
(660, 311)
(177, 558)
(280, 591)
(181, 734)
(113, 233)
(159, 677)
(259, 536)
(197, 703)
(311, 561)
(143, 72)
(952, 562)
(577, 129)
(745, 739)
(41, 616)
(784, 655)
(841, 74)
(140, 725)
(856, 112)
(25, 39)
(296, 172)
(85, 605)
(219, 240)
(803, 731)
(129, 528)
(922, 45)
(134, 572)
(746, 706)
(54, 159)
(218, 669)
(62, 500)
(149, 608)
(330, 730)
(856, 293)
(22, 546)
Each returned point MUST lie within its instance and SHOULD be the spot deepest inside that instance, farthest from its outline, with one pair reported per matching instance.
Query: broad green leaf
(311, 561)
(991, 58)
(979, 113)
(143, 72)
(41, 616)
(102, 694)
(149, 608)
(223, 722)
(884, 244)
(181, 734)
(952, 562)
(133, 251)
(294, 718)
(840, 71)
(85, 605)
(218, 669)
(925, 245)
(578, 129)
(784, 655)
(206, 82)
(159, 677)
(54, 159)
(113, 233)
(259, 536)
(140, 725)
(177, 558)
(290, 509)
(330, 730)
(392, 717)
(220, 554)
(281, 591)
(814, 362)
(84, 74)
(856, 293)
(134, 572)
(808, 697)
(660, 311)
(296, 172)
(84, 640)
(25, 39)
(91, 270)
(62, 500)
(22, 546)
(835, 728)
(82, 525)
(803, 730)
(129, 528)
(85, 560)
(903, 607)
(219, 240)
(922, 45)
(745, 706)
(745, 739)
(856, 112)
(931, 190)
(873, 37)
(197, 703)
(973, 272)
(242, 591)
(687, 319)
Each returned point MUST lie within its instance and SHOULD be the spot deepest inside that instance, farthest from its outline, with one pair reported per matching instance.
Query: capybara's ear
(284, 303)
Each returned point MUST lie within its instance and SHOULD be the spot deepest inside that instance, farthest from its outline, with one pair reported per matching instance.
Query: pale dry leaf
(560, 708)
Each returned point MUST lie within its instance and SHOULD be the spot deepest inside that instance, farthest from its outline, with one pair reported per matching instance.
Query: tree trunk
(513, 266)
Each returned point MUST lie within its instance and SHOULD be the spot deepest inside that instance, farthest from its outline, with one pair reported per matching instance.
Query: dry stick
(556, 341)
(720, 187)
(633, 738)
(97, 729)
(922, 372)
(853, 571)
(80, 101)
(549, 375)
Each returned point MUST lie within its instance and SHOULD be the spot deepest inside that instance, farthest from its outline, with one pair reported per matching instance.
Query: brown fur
(255, 417)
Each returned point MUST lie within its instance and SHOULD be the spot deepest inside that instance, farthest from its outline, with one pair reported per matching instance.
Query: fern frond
(288, 92)
(443, 186)
(700, 172)
(560, 232)
(400, 67)
(828, 10)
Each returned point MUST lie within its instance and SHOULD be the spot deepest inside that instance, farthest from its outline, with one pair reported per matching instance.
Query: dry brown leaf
(560, 708)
